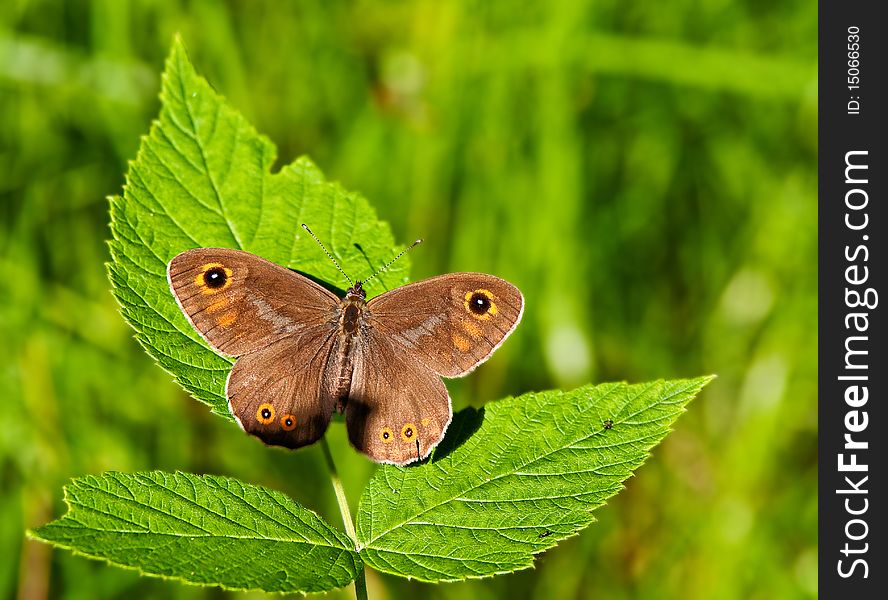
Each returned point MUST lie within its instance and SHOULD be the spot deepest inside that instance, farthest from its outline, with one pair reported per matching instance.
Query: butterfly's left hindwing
(279, 393)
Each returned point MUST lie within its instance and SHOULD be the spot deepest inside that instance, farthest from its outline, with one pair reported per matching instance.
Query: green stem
(360, 581)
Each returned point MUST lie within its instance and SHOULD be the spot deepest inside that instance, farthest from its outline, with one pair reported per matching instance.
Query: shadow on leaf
(465, 423)
(340, 293)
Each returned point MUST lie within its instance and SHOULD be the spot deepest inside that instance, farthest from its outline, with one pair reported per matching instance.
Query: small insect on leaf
(490, 504)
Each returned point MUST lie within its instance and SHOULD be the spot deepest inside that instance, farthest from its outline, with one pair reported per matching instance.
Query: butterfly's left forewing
(239, 302)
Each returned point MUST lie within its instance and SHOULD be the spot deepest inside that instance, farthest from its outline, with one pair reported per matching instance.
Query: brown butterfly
(302, 352)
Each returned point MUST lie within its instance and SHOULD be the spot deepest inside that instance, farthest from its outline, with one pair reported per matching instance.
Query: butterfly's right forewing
(450, 323)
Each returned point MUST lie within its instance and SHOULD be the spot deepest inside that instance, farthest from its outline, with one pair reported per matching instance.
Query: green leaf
(513, 478)
(203, 530)
(202, 179)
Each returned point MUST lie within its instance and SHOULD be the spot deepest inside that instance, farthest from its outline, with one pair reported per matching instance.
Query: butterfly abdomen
(340, 366)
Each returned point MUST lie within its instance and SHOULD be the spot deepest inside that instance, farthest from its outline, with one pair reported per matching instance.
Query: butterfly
(302, 352)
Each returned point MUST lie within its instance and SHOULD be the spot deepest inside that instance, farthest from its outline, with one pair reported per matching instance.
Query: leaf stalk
(339, 490)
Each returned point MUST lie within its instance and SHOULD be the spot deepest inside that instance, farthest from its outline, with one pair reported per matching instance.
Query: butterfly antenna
(327, 252)
(389, 263)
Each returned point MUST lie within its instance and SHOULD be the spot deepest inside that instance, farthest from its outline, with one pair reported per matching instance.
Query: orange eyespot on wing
(265, 413)
(288, 422)
(408, 432)
(386, 435)
(480, 304)
(213, 278)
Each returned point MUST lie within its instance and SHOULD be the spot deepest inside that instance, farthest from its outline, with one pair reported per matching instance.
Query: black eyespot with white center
(265, 413)
(407, 431)
(479, 303)
(215, 277)
(288, 422)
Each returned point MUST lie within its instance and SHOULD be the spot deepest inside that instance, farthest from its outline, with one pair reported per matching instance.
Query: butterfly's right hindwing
(398, 409)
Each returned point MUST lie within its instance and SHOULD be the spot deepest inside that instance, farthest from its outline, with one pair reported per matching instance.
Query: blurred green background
(645, 172)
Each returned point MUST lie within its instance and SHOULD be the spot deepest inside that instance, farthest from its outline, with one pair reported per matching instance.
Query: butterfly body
(303, 353)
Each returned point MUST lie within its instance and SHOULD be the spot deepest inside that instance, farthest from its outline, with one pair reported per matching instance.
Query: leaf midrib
(474, 487)
(206, 535)
(527, 463)
(206, 165)
(205, 509)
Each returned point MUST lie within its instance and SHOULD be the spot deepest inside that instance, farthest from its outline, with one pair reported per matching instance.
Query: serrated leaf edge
(34, 534)
(695, 385)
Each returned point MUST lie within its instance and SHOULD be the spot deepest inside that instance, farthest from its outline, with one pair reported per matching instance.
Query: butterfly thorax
(352, 306)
